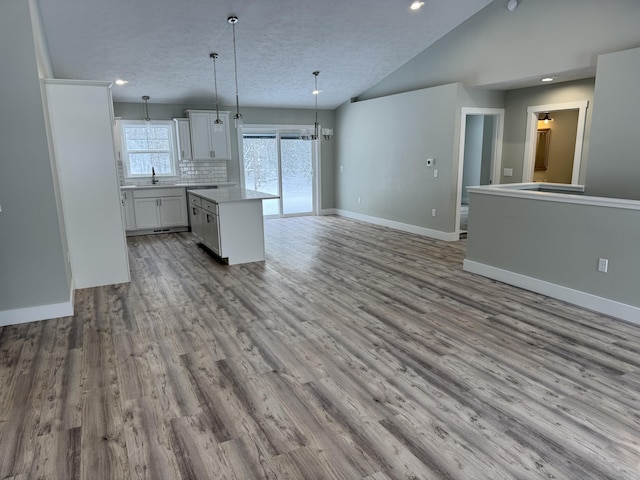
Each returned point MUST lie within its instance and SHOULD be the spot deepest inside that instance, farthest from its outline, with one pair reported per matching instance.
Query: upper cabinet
(209, 141)
(184, 138)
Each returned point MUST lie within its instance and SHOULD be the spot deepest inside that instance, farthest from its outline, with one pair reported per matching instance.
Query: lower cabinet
(126, 200)
(160, 210)
(205, 222)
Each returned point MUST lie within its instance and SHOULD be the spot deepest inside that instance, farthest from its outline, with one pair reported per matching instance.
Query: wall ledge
(603, 305)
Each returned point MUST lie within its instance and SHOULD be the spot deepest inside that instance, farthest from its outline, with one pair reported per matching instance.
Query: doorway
(280, 162)
(480, 157)
(561, 127)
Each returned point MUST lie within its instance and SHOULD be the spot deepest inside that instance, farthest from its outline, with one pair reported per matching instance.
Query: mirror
(542, 149)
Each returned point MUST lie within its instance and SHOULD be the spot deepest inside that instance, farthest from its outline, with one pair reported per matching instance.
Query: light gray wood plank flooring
(353, 352)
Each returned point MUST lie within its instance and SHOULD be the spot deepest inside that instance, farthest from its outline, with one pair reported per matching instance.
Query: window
(147, 146)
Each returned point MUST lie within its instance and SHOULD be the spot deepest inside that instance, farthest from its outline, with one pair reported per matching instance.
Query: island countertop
(231, 194)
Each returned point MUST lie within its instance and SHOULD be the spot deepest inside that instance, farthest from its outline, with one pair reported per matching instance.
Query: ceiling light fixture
(417, 5)
(512, 5)
(546, 118)
(119, 81)
(217, 124)
(327, 133)
(238, 116)
(548, 79)
(146, 108)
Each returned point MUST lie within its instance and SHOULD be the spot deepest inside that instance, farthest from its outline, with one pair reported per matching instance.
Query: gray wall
(497, 47)
(614, 166)
(263, 116)
(33, 264)
(515, 121)
(382, 146)
(474, 138)
(559, 243)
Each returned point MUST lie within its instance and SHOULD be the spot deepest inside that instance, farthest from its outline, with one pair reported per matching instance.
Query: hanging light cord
(233, 21)
(213, 56)
(316, 133)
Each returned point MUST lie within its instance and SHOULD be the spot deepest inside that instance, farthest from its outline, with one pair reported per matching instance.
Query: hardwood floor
(353, 352)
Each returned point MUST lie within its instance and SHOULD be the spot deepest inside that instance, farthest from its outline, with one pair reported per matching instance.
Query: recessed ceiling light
(416, 5)
(548, 79)
(121, 82)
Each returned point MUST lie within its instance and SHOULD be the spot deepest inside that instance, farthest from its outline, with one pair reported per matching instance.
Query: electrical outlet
(603, 265)
(433, 212)
(341, 168)
(508, 172)
(435, 173)
(358, 199)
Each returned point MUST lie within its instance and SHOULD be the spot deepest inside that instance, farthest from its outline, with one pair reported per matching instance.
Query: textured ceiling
(162, 46)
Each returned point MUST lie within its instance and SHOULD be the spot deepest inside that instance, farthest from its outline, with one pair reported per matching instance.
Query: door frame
(496, 149)
(278, 129)
(531, 137)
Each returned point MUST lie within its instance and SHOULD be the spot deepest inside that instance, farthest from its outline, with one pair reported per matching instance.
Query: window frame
(170, 124)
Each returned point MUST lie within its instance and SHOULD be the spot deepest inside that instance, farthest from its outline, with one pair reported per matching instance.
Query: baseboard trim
(404, 227)
(613, 308)
(41, 312)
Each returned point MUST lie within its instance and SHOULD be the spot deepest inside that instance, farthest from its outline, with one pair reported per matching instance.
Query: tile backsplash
(202, 171)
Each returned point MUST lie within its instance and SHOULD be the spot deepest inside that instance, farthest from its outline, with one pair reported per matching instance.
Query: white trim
(532, 128)
(41, 312)
(496, 150)
(603, 305)
(531, 191)
(404, 227)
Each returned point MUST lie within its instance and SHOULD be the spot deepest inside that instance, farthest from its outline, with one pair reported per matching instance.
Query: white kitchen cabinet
(210, 227)
(160, 210)
(128, 212)
(184, 138)
(196, 217)
(207, 141)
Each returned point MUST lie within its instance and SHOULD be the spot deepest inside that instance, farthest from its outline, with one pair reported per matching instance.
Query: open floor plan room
(354, 352)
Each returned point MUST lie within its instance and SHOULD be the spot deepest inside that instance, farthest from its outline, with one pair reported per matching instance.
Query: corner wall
(34, 283)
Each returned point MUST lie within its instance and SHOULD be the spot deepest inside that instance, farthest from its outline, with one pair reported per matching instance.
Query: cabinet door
(211, 237)
(173, 211)
(200, 136)
(127, 211)
(197, 225)
(147, 213)
(184, 138)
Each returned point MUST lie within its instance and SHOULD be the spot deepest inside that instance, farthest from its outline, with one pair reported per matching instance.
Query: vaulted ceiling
(161, 47)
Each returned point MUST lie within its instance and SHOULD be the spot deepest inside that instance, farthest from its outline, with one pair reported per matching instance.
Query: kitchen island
(228, 221)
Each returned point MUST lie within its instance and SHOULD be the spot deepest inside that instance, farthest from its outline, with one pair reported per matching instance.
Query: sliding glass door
(281, 163)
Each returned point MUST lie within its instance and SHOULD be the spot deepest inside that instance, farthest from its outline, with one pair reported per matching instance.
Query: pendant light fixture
(327, 133)
(146, 108)
(238, 116)
(217, 124)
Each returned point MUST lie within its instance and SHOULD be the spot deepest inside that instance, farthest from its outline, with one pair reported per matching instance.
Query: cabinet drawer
(210, 206)
(158, 192)
(195, 201)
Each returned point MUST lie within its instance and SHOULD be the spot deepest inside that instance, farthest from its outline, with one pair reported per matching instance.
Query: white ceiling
(162, 46)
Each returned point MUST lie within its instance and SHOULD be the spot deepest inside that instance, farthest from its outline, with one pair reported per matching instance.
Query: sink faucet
(154, 180)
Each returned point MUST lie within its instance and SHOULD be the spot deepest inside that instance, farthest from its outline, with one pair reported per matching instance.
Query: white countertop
(177, 185)
(231, 194)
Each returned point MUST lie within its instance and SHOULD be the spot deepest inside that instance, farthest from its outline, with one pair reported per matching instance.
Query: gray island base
(228, 221)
